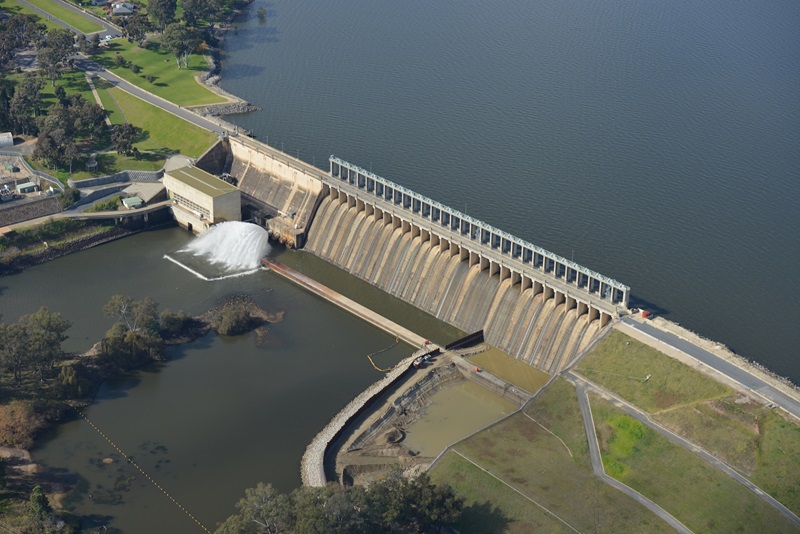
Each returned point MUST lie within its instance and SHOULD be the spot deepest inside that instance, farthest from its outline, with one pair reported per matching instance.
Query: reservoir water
(655, 142)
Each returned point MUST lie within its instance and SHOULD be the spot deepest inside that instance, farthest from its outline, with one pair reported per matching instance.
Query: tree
(134, 338)
(122, 138)
(88, 117)
(45, 334)
(26, 104)
(181, 41)
(16, 350)
(137, 27)
(394, 504)
(53, 52)
(92, 43)
(137, 315)
(196, 10)
(262, 510)
(231, 320)
(39, 509)
(162, 12)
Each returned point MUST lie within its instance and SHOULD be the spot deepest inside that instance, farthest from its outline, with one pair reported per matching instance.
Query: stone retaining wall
(312, 466)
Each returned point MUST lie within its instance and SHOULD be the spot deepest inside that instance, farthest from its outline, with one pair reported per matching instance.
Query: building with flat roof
(201, 199)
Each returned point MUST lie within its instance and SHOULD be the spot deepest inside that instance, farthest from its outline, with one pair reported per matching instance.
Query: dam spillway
(533, 304)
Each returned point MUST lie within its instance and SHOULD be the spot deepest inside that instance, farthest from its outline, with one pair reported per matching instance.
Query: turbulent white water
(235, 246)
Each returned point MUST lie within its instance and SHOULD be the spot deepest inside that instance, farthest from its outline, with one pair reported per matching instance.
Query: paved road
(721, 365)
(108, 28)
(93, 68)
(597, 461)
(582, 385)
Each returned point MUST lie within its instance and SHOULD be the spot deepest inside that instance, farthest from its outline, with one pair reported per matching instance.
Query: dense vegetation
(395, 504)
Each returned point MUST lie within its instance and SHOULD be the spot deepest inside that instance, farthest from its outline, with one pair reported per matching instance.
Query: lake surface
(655, 142)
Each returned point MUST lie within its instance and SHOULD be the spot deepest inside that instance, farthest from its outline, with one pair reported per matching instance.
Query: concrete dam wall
(529, 324)
(537, 306)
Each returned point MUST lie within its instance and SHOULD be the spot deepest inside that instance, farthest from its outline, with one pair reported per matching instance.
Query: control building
(201, 199)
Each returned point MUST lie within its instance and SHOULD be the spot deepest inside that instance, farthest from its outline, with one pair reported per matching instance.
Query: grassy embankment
(12, 8)
(68, 16)
(543, 454)
(157, 140)
(179, 86)
(702, 497)
(759, 442)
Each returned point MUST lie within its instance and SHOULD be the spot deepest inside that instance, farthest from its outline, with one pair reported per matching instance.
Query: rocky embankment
(26, 259)
(312, 466)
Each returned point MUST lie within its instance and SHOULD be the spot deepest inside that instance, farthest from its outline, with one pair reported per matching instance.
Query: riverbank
(13, 259)
(32, 409)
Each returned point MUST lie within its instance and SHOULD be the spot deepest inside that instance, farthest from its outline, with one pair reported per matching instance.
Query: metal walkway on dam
(535, 305)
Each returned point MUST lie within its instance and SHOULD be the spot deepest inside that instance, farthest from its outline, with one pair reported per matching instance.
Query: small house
(27, 187)
(122, 9)
(132, 203)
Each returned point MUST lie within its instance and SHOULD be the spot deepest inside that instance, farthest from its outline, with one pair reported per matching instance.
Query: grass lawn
(621, 363)
(161, 131)
(72, 82)
(68, 16)
(699, 495)
(12, 8)
(756, 440)
(170, 82)
(113, 111)
(508, 368)
(549, 465)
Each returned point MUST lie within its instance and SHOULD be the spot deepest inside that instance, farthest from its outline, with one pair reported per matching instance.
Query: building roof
(202, 181)
(6, 139)
(132, 202)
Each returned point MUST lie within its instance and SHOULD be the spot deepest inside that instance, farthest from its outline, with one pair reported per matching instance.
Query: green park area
(758, 441)
(698, 494)
(531, 472)
(156, 140)
(59, 12)
(158, 72)
(12, 8)
(622, 364)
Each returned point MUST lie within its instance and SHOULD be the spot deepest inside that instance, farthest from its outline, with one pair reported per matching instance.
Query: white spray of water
(235, 246)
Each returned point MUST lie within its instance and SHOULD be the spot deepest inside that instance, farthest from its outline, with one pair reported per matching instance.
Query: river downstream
(222, 414)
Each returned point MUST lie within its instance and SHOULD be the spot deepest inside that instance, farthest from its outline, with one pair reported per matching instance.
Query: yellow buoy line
(148, 477)
(396, 342)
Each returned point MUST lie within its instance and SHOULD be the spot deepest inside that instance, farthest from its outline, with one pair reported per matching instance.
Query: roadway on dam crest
(738, 375)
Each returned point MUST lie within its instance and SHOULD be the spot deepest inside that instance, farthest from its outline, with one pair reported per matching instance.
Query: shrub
(69, 197)
(174, 324)
(135, 68)
(119, 60)
(232, 319)
(19, 423)
(150, 78)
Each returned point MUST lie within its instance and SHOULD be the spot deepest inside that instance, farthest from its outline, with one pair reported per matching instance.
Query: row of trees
(66, 121)
(33, 343)
(395, 504)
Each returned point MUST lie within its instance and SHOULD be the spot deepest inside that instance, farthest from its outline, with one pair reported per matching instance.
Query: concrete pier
(340, 300)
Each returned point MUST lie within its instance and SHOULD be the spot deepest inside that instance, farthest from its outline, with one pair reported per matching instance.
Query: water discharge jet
(234, 246)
